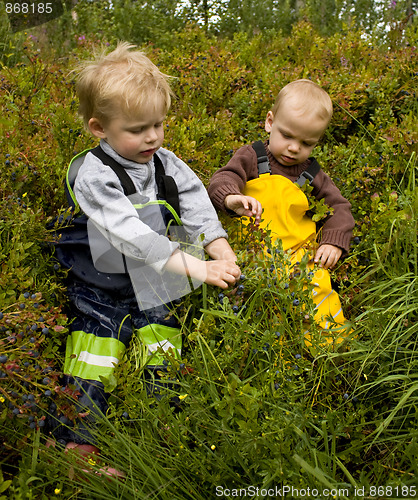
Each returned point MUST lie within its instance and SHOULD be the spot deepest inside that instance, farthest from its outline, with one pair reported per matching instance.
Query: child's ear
(96, 128)
(269, 121)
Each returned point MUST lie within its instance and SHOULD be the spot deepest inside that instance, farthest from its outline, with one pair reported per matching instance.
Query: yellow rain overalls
(284, 214)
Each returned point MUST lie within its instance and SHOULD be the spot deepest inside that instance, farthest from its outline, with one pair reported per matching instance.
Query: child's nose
(294, 146)
(151, 135)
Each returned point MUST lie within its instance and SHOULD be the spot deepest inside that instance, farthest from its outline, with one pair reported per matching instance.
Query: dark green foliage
(258, 407)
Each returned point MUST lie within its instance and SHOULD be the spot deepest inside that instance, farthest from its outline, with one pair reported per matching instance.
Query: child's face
(293, 134)
(136, 139)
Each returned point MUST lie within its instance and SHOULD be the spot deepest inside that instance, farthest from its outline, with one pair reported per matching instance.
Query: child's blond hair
(122, 81)
(309, 97)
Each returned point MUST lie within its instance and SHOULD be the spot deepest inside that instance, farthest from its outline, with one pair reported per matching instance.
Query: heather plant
(249, 402)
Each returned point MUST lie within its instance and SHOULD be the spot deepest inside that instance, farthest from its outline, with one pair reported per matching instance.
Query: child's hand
(244, 205)
(327, 256)
(222, 273)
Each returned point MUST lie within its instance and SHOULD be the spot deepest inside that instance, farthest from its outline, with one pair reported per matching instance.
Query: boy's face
(136, 139)
(293, 134)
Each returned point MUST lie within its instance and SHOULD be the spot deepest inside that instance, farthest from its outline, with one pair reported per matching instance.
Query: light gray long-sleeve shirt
(100, 195)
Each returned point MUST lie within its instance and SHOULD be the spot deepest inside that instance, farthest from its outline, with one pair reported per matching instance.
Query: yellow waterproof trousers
(284, 214)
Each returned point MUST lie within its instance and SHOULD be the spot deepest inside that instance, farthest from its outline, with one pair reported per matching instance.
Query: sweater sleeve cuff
(218, 197)
(160, 252)
(337, 238)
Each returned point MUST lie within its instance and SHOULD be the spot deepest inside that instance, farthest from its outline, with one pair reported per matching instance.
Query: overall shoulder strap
(126, 181)
(263, 164)
(309, 174)
(166, 185)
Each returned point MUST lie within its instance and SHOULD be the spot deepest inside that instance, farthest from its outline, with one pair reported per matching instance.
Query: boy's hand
(244, 205)
(327, 256)
(222, 273)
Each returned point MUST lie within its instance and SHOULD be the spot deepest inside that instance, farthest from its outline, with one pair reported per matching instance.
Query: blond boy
(124, 99)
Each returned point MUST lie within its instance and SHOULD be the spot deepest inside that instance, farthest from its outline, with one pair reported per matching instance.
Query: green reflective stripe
(156, 336)
(90, 357)
(67, 177)
(138, 206)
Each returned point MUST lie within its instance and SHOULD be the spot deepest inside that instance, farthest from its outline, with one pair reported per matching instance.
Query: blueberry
(22, 305)
(346, 396)
(32, 425)
(242, 277)
(1, 315)
(240, 288)
(45, 331)
(48, 393)
(34, 327)
(41, 423)
(298, 356)
(125, 414)
(295, 302)
(235, 308)
(26, 295)
(286, 286)
(16, 411)
(3, 358)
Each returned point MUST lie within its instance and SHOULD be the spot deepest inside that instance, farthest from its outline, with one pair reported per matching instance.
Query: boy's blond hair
(309, 96)
(122, 81)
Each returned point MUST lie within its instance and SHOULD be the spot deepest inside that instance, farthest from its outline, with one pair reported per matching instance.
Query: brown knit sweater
(242, 167)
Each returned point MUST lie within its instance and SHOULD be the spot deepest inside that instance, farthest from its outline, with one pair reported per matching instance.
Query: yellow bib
(284, 214)
(284, 207)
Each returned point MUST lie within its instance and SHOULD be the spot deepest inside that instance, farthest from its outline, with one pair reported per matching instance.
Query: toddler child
(266, 178)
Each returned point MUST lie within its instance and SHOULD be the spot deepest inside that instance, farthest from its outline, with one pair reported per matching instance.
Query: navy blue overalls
(103, 306)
